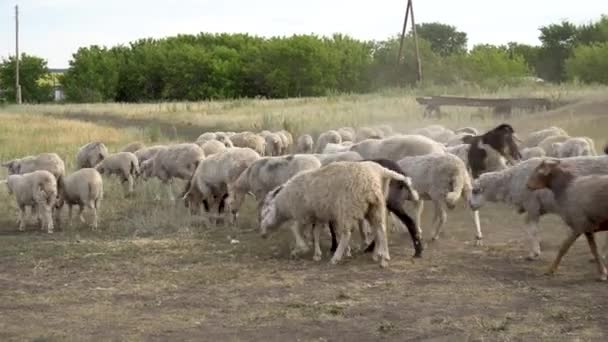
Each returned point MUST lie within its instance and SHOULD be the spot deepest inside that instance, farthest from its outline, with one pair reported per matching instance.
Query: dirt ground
(228, 284)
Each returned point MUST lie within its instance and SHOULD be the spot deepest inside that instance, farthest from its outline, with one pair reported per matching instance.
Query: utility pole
(17, 85)
(409, 10)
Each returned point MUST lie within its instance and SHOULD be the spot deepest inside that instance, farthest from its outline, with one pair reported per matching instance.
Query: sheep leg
(48, 217)
(600, 263)
(398, 211)
(316, 237)
(532, 230)
(441, 217)
(364, 236)
(334, 240)
(80, 213)
(170, 190)
(562, 251)
(21, 218)
(419, 207)
(93, 207)
(344, 241)
(301, 246)
(70, 215)
(478, 235)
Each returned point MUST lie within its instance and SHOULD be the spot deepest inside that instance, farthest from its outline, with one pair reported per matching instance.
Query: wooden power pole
(17, 85)
(409, 11)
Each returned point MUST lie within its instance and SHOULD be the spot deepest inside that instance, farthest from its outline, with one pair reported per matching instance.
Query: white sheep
(342, 193)
(397, 147)
(287, 139)
(206, 137)
(443, 179)
(467, 130)
(575, 147)
(275, 145)
(148, 153)
(133, 147)
(548, 144)
(91, 154)
(532, 152)
(325, 138)
(535, 138)
(509, 186)
(45, 161)
(265, 174)
(123, 165)
(174, 161)
(84, 188)
(334, 148)
(338, 156)
(37, 190)
(346, 133)
(365, 133)
(249, 140)
(304, 144)
(212, 147)
(213, 177)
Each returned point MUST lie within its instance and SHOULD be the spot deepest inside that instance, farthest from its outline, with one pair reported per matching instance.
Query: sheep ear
(8, 164)
(516, 138)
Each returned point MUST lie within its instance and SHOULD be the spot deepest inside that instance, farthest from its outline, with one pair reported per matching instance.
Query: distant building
(58, 93)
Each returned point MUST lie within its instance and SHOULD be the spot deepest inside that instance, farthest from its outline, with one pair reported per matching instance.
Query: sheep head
(542, 174)
(13, 166)
(269, 213)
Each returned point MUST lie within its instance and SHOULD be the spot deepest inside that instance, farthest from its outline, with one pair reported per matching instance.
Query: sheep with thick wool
(249, 140)
(536, 137)
(124, 165)
(305, 144)
(84, 188)
(37, 190)
(397, 147)
(325, 138)
(133, 147)
(174, 161)
(45, 161)
(575, 147)
(211, 147)
(91, 154)
(338, 156)
(343, 194)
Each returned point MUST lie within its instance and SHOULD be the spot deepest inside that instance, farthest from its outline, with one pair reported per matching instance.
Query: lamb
(91, 154)
(536, 137)
(122, 164)
(548, 144)
(175, 161)
(509, 186)
(532, 152)
(582, 203)
(442, 179)
(38, 190)
(83, 188)
(250, 140)
(575, 147)
(133, 147)
(304, 144)
(343, 194)
(334, 148)
(45, 161)
(265, 174)
(212, 147)
(325, 138)
(214, 176)
(398, 147)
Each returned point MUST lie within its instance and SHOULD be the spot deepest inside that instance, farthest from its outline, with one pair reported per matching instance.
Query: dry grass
(152, 272)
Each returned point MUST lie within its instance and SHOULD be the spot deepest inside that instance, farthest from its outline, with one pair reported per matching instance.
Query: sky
(55, 29)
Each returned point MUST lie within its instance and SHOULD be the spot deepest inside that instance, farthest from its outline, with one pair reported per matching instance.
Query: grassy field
(152, 272)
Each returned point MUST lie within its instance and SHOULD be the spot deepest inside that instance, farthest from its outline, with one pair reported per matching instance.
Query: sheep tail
(387, 173)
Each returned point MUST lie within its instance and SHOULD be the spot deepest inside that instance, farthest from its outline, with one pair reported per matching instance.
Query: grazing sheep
(304, 144)
(133, 147)
(224, 138)
(509, 186)
(250, 140)
(83, 188)
(575, 147)
(548, 144)
(398, 147)
(582, 203)
(122, 164)
(365, 133)
(214, 176)
(343, 194)
(338, 156)
(274, 144)
(325, 138)
(38, 190)
(265, 174)
(206, 137)
(346, 133)
(287, 140)
(212, 147)
(175, 161)
(148, 153)
(536, 137)
(334, 148)
(50, 162)
(91, 154)
(532, 152)
(442, 179)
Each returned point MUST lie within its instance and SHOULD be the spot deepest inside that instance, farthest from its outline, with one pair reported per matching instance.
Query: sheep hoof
(333, 261)
(375, 257)
(533, 257)
(316, 258)
(478, 242)
(384, 263)
(603, 277)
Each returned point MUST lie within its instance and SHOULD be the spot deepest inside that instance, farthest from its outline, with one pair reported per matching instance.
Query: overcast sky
(54, 29)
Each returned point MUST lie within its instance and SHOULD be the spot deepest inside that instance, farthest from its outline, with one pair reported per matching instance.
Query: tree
(445, 40)
(529, 53)
(589, 63)
(558, 41)
(32, 71)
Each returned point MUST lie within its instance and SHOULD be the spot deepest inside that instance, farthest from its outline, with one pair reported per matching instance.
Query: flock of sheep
(349, 179)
